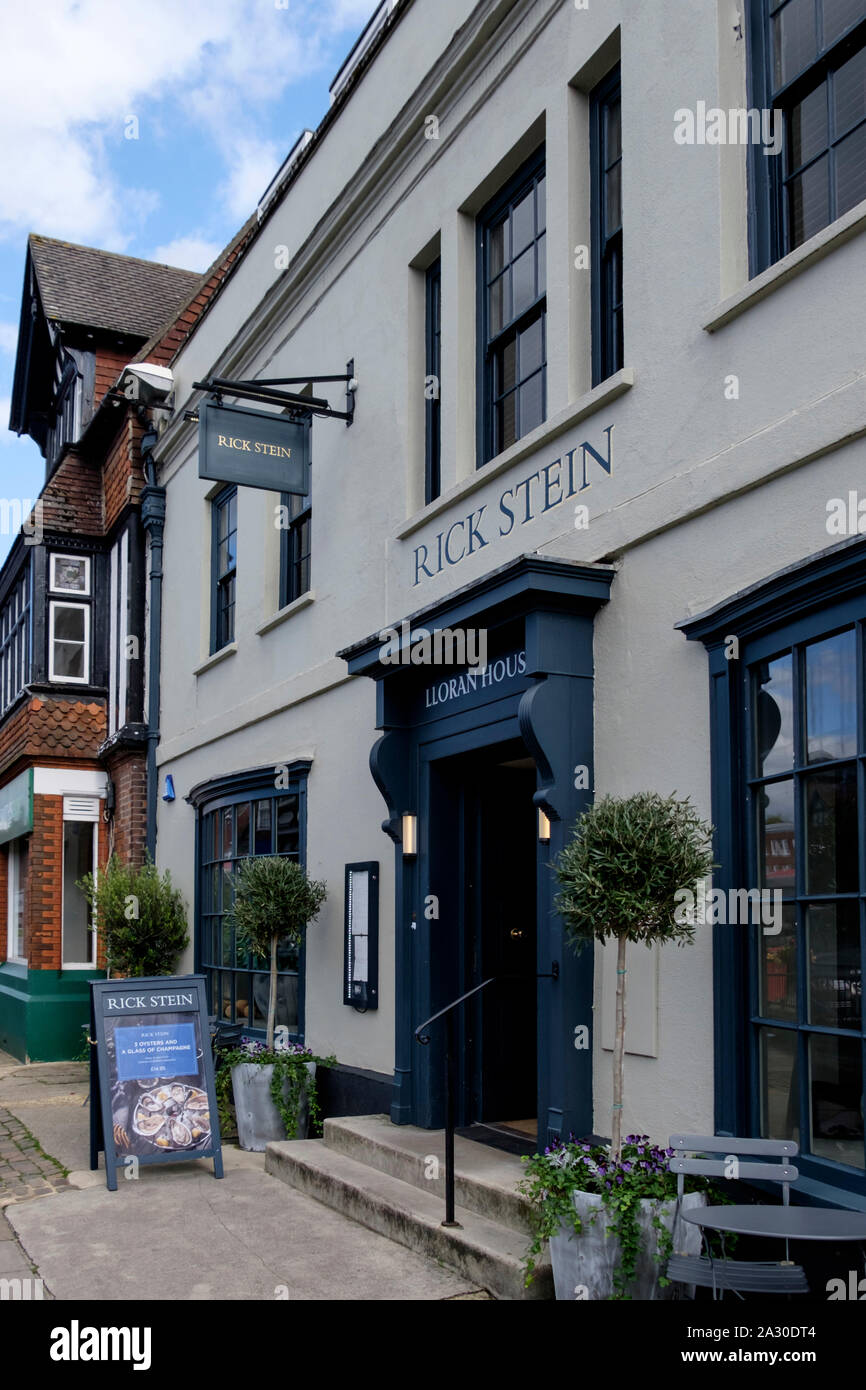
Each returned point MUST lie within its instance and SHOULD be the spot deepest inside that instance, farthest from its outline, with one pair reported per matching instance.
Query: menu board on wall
(152, 1079)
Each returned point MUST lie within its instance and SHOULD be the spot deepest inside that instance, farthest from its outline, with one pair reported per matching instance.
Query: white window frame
(69, 593)
(68, 680)
(13, 880)
(80, 818)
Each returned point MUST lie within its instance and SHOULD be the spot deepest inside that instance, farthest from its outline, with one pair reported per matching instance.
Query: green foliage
(140, 917)
(629, 856)
(290, 1075)
(274, 899)
(641, 1173)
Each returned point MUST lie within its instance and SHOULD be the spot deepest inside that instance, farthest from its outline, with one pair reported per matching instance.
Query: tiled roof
(101, 289)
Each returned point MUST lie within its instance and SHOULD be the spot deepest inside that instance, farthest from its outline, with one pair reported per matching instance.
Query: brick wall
(128, 773)
(107, 368)
(122, 472)
(72, 499)
(44, 895)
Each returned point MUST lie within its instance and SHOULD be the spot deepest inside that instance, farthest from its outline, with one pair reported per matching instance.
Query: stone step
(485, 1179)
(487, 1253)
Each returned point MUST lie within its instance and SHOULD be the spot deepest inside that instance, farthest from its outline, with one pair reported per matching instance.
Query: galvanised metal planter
(259, 1120)
(583, 1265)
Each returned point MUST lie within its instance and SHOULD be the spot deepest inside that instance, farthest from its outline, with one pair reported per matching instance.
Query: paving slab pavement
(180, 1234)
(247, 1236)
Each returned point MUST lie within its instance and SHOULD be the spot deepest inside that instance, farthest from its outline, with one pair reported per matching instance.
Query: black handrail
(450, 1072)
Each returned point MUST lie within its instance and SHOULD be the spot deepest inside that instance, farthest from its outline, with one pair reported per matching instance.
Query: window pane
(839, 15)
(242, 998)
(214, 843)
(506, 426)
(69, 623)
(506, 367)
(523, 282)
(612, 132)
(263, 827)
(287, 956)
(243, 829)
(849, 92)
(795, 42)
(541, 204)
(541, 251)
(69, 660)
(499, 311)
(523, 223)
(613, 200)
(531, 346)
(851, 171)
(228, 825)
(836, 1094)
(775, 807)
(809, 127)
(497, 243)
(831, 709)
(835, 978)
(831, 831)
(261, 985)
(810, 202)
(77, 861)
(287, 1001)
(227, 947)
(774, 716)
(779, 1101)
(69, 574)
(287, 825)
(216, 874)
(532, 403)
(226, 994)
(778, 976)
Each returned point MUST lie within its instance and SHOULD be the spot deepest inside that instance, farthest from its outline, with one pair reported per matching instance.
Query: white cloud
(8, 342)
(72, 72)
(188, 252)
(252, 165)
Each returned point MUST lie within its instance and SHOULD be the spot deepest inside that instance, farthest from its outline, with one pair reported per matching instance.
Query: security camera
(147, 382)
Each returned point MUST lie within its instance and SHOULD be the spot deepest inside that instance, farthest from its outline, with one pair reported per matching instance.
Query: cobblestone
(25, 1172)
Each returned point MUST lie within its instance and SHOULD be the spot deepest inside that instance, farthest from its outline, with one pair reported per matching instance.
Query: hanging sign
(254, 448)
(152, 1096)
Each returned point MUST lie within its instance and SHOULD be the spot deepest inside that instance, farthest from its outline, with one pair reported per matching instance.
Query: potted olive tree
(139, 917)
(618, 879)
(274, 1088)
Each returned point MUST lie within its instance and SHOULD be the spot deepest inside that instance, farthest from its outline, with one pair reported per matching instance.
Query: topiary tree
(140, 916)
(618, 878)
(274, 901)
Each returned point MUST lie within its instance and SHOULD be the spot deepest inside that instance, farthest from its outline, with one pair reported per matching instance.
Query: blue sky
(220, 91)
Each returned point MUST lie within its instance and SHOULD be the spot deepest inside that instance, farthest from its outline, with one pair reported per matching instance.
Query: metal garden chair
(726, 1275)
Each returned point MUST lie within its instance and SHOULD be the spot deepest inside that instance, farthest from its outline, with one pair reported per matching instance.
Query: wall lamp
(543, 827)
(410, 836)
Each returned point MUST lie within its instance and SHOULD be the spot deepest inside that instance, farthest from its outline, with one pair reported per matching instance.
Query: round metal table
(787, 1223)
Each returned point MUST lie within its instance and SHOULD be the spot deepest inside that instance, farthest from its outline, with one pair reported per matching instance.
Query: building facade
(598, 271)
(73, 725)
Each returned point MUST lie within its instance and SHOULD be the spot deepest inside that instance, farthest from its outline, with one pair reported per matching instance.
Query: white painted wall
(706, 494)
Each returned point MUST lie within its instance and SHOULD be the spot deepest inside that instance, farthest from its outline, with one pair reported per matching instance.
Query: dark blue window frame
(821, 598)
(224, 536)
(776, 182)
(433, 403)
(522, 337)
(606, 204)
(296, 545)
(217, 804)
